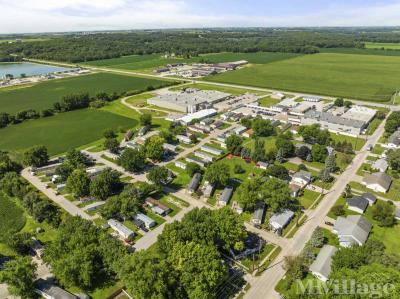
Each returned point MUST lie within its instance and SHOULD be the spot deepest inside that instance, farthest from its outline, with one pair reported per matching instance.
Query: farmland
(393, 46)
(43, 95)
(365, 77)
(63, 131)
(139, 62)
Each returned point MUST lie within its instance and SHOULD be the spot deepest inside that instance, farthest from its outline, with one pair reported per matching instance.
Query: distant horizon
(64, 16)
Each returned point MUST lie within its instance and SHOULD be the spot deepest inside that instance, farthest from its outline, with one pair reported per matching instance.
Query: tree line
(77, 48)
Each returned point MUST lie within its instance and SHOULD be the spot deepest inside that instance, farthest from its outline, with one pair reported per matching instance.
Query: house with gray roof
(381, 165)
(378, 182)
(352, 230)
(394, 140)
(280, 220)
(258, 214)
(357, 204)
(208, 190)
(370, 197)
(301, 178)
(148, 222)
(211, 150)
(49, 290)
(321, 267)
(225, 196)
(194, 183)
(121, 229)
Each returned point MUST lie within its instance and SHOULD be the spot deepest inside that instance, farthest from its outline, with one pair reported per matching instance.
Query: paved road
(263, 287)
(58, 199)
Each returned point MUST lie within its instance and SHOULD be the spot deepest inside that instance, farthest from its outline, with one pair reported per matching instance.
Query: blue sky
(72, 15)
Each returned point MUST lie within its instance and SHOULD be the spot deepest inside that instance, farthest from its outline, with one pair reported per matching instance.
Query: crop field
(365, 77)
(12, 217)
(63, 131)
(393, 46)
(139, 62)
(367, 51)
(43, 95)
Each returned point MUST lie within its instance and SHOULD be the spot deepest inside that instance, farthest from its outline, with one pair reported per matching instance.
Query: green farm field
(140, 62)
(44, 95)
(392, 46)
(63, 131)
(365, 77)
(12, 217)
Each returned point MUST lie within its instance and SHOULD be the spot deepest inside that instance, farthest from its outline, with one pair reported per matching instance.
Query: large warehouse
(189, 100)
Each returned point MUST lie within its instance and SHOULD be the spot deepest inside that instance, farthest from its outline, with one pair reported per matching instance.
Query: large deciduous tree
(36, 156)
(217, 174)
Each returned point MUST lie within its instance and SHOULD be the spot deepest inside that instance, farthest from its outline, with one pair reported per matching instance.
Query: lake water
(29, 69)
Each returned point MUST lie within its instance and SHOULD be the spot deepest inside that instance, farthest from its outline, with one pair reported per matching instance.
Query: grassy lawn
(357, 143)
(290, 230)
(268, 141)
(247, 167)
(170, 201)
(182, 178)
(12, 217)
(373, 126)
(308, 198)
(268, 262)
(393, 46)
(227, 89)
(44, 95)
(63, 131)
(268, 102)
(363, 77)
(340, 162)
(251, 264)
(378, 149)
(140, 100)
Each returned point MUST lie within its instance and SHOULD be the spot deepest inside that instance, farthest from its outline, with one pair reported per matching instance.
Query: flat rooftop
(191, 97)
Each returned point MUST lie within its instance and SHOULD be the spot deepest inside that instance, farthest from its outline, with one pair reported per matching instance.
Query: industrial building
(189, 100)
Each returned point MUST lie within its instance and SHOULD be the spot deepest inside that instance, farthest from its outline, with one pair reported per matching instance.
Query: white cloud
(74, 15)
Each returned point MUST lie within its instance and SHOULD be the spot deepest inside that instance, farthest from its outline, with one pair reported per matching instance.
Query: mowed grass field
(142, 62)
(393, 46)
(63, 131)
(365, 77)
(44, 95)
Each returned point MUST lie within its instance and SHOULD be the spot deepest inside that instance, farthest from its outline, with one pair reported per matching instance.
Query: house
(225, 196)
(49, 290)
(204, 156)
(394, 140)
(357, 204)
(294, 190)
(180, 164)
(378, 182)
(278, 96)
(217, 124)
(94, 206)
(194, 183)
(208, 190)
(397, 214)
(206, 122)
(157, 207)
(169, 147)
(248, 134)
(262, 165)
(353, 230)
(370, 197)
(184, 139)
(381, 165)
(280, 220)
(121, 229)
(143, 130)
(301, 178)
(236, 207)
(211, 150)
(37, 247)
(321, 267)
(148, 222)
(196, 160)
(128, 135)
(132, 145)
(240, 130)
(312, 99)
(226, 115)
(258, 214)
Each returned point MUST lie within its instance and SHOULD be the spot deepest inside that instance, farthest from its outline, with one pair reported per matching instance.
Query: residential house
(157, 207)
(194, 183)
(169, 147)
(128, 135)
(240, 130)
(394, 140)
(321, 267)
(121, 229)
(357, 204)
(378, 182)
(225, 196)
(180, 164)
(248, 134)
(208, 190)
(148, 222)
(262, 165)
(381, 165)
(211, 150)
(184, 139)
(94, 206)
(301, 178)
(207, 122)
(49, 290)
(294, 190)
(370, 197)
(352, 230)
(217, 124)
(236, 207)
(278, 96)
(204, 156)
(258, 214)
(196, 160)
(280, 220)
(143, 130)
(37, 247)
(312, 99)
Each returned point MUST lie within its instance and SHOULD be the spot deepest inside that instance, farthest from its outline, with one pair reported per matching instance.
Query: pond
(29, 69)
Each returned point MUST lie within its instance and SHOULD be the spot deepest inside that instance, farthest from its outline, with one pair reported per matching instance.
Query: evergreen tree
(330, 163)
